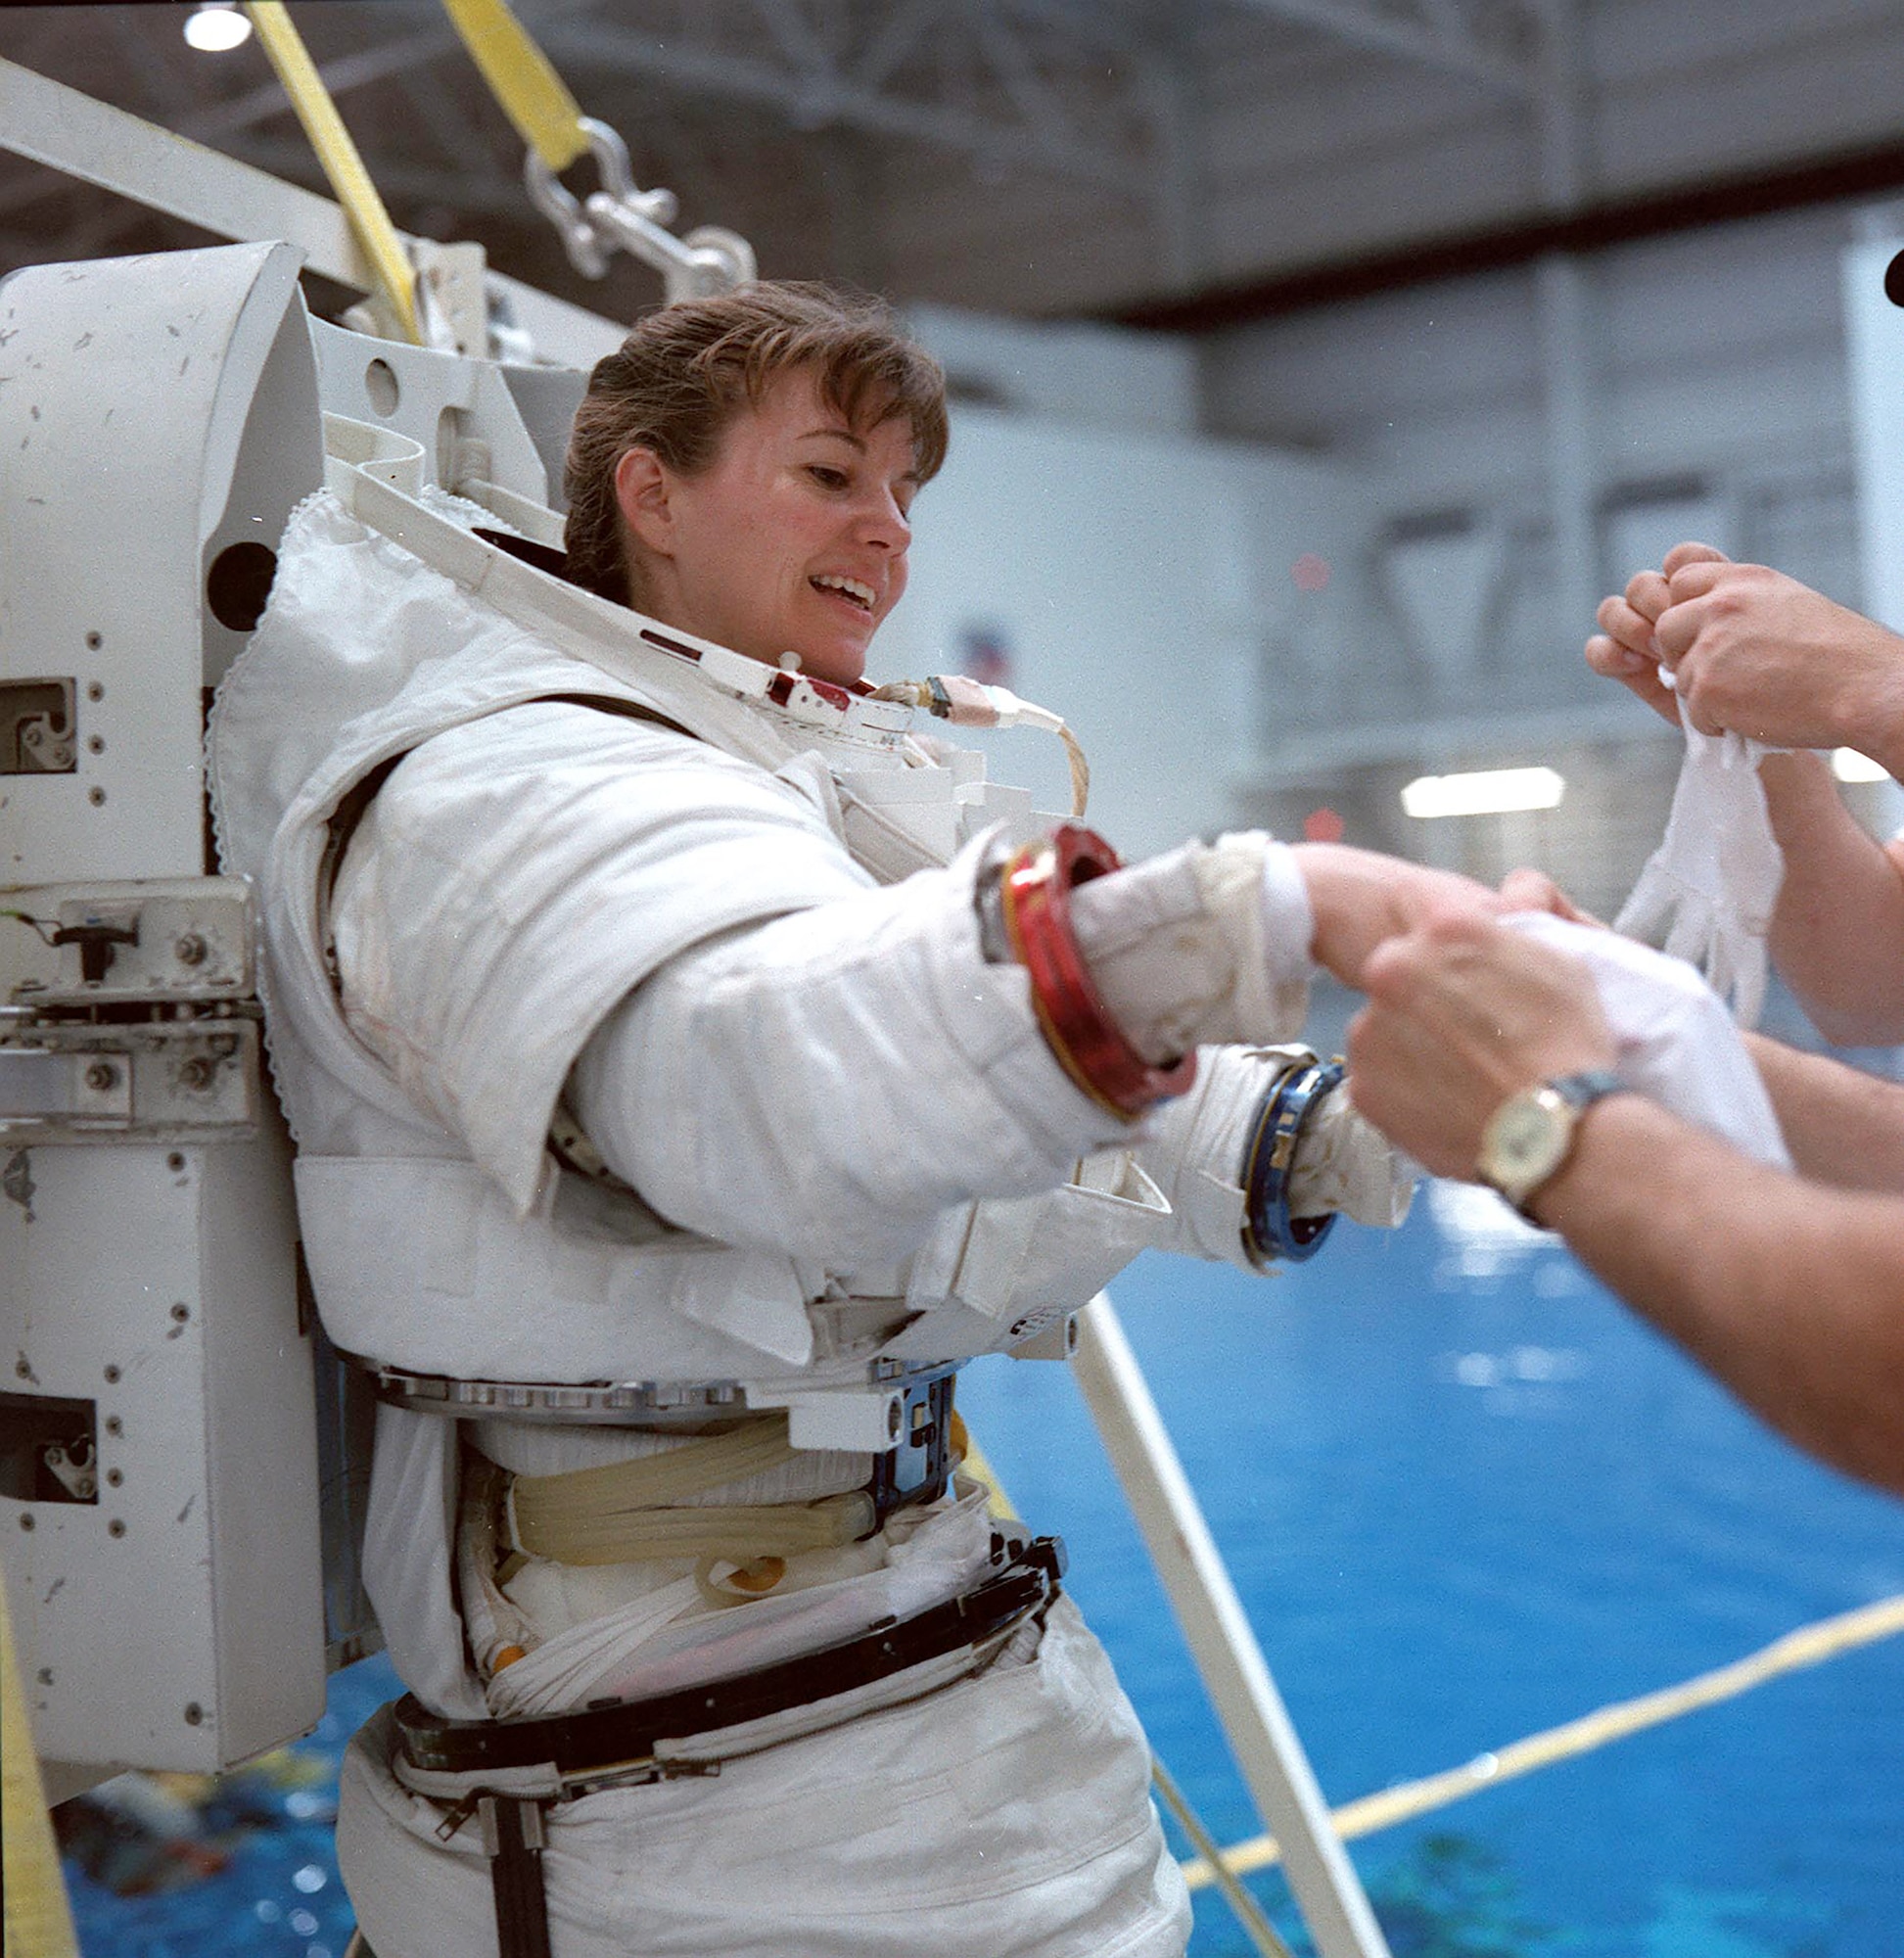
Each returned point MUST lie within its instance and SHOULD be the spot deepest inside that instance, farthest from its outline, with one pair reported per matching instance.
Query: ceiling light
(1849, 766)
(216, 27)
(1483, 792)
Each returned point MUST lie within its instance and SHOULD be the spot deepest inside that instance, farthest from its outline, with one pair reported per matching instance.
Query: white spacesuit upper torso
(724, 930)
(933, 1186)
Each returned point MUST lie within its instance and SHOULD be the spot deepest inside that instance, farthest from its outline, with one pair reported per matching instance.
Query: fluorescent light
(1483, 792)
(1849, 766)
(216, 28)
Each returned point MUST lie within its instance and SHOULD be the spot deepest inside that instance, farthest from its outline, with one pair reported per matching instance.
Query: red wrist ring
(1035, 893)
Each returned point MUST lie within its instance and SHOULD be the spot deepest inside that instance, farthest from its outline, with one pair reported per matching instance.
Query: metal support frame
(1180, 198)
(828, 86)
(1564, 299)
(1250, 1709)
(53, 124)
(1434, 33)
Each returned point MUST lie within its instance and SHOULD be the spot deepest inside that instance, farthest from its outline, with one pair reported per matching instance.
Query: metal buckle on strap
(617, 1734)
(918, 1467)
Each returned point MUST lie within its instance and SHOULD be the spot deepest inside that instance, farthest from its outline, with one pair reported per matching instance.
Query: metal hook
(706, 261)
(583, 240)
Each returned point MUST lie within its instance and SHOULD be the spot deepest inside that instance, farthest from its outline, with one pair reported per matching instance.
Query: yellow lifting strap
(528, 90)
(376, 235)
(39, 1922)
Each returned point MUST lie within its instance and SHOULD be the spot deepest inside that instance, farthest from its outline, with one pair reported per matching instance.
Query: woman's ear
(643, 488)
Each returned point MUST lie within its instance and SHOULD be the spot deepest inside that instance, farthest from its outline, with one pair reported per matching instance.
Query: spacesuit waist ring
(611, 1738)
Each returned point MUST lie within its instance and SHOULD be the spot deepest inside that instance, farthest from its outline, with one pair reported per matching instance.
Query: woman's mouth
(849, 588)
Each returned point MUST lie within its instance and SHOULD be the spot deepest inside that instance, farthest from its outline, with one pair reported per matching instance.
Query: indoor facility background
(1319, 362)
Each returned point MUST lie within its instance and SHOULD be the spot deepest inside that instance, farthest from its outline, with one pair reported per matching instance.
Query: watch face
(1525, 1141)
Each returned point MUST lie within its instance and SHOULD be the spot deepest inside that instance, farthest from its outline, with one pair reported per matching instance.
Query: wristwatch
(1531, 1134)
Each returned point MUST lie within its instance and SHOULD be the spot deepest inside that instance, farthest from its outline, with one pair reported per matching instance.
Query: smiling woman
(724, 1066)
(792, 540)
(744, 469)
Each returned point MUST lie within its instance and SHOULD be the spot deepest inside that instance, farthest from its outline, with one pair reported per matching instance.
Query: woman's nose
(884, 523)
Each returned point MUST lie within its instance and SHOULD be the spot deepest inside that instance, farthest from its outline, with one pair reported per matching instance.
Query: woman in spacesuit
(688, 1063)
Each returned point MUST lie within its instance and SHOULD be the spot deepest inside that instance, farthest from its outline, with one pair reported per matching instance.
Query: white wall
(1715, 375)
(1138, 580)
(1101, 376)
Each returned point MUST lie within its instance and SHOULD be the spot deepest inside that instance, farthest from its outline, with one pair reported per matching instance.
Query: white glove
(1674, 1041)
(1713, 881)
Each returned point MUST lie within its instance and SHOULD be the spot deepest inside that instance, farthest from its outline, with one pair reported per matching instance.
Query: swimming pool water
(1464, 1496)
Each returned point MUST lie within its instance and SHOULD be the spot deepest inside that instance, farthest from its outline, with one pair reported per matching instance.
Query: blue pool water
(1464, 1497)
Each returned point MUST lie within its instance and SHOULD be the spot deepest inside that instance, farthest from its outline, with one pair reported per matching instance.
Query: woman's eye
(827, 478)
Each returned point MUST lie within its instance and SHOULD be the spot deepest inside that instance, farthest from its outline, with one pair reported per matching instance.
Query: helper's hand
(1360, 898)
(1625, 647)
(1531, 890)
(1756, 652)
(1463, 1013)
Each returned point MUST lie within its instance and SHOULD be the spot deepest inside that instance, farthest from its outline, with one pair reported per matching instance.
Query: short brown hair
(675, 384)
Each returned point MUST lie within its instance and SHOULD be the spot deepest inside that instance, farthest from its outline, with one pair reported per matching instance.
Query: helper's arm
(1789, 1292)
(1842, 1127)
(1838, 934)
(1755, 651)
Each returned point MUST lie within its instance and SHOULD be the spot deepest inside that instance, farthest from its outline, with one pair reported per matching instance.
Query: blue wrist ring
(1270, 1234)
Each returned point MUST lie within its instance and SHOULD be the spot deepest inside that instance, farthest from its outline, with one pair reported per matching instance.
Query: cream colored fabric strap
(622, 1514)
(738, 1533)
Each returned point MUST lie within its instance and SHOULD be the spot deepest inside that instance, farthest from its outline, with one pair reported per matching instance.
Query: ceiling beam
(1597, 227)
(484, 193)
(259, 104)
(349, 72)
(1368, 26)
(813, 100)
(898, 34)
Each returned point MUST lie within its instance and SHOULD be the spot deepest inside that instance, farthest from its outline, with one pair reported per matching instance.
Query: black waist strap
(614, 1732)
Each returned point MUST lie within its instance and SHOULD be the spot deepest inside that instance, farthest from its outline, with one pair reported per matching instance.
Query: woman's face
(792, 539)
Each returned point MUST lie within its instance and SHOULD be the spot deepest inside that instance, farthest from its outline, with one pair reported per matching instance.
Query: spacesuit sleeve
(789, 1057)
(834, 1080)
(514, 879)
(837, 1079)
(1197, 1149)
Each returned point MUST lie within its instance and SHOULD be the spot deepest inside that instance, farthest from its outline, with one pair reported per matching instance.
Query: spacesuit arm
(837, 1080)
(834, 1080)
(1198, 1153)
(772, 1051)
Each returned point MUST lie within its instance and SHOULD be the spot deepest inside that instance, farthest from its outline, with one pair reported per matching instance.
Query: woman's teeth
(849, 587)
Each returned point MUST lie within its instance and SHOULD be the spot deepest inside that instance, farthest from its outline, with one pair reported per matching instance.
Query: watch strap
(1584, 1089)
(1579, 1091)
